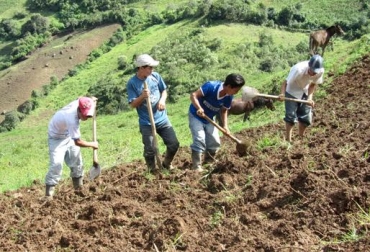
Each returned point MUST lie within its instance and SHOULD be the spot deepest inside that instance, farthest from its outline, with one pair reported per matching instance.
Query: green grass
(156, 5)
(235, 34)
(327, 11)
(9, 7)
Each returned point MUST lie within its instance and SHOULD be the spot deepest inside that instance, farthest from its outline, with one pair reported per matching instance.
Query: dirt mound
(54, 59)
(301, 198)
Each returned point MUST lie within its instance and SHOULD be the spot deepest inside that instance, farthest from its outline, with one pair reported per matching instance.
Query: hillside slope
(301, 198)
(53, 60)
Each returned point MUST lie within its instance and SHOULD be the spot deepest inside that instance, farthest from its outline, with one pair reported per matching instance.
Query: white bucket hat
(145, 60)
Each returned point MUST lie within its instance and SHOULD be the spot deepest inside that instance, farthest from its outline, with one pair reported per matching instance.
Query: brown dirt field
(302, 198)
(54, 59)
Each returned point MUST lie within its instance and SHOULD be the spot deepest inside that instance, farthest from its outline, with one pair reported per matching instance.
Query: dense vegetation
(32, 30)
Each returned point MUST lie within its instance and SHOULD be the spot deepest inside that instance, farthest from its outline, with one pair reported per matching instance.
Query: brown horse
(238, 107)
(321, 38)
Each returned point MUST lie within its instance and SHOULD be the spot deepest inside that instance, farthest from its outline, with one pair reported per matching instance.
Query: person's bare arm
(224, 114)
(311, 91)
(140, 99)
(83, 143)
(194, 100)
(162, 102)
(283, 90)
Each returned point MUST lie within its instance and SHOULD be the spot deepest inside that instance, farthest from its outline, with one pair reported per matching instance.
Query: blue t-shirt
(156, 86)
(211, 102)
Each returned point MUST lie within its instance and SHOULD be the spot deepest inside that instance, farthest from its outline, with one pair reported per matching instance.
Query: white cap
(145, 60)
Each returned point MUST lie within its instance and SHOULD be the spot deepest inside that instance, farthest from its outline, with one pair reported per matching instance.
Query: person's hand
(281, 97)
(227, 130)
(311, 103)
(146, 93)
(95, 145)
(200, 112)
(161, 105)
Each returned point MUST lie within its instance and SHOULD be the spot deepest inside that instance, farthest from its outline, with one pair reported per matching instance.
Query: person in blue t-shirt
(208, 100)
(137, 96)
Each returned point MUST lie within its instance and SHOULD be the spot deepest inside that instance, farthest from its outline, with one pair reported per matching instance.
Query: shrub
(122, 62)
(26, 107)
(20, 15)
(37, 24)
(111, 95)
(9, 29)
(302, 47)
(36, 94)
(12, 119)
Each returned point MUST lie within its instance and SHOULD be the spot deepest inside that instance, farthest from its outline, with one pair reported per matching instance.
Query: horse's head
(338, 30)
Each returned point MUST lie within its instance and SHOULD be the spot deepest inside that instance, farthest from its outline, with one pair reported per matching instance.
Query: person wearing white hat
(157, 92)
(64, 139)
(301, 83)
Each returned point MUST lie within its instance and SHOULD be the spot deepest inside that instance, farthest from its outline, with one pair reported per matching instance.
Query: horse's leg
(323, 50)
(310, 45)
(246, 116)
(314, 48)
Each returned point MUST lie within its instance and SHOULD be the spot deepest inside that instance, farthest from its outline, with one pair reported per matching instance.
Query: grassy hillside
(326, 11)
(8, 7)
(24, 155)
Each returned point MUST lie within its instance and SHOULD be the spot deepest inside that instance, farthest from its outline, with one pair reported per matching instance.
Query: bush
(9, 29)
(26, 107)
(4, 65)
(36, 94)
(20, 15)
(267, 65)
(112, 96)
(12, 119)
(37, 24)
(122, 62)
(302, 47)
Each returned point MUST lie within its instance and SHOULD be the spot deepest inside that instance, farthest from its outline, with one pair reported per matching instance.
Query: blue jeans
(63, 150)
(165, 131)
(295, 111)
(205, 135)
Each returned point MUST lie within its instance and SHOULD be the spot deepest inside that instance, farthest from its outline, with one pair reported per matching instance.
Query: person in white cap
(301, 83)
(157, 92)
(64, 139)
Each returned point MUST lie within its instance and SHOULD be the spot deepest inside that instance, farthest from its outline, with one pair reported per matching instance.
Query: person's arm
(311, 90)
(194, 100)
(283, 90)
(82, 143)
(162, 102)
(224, 113)
(140, 99)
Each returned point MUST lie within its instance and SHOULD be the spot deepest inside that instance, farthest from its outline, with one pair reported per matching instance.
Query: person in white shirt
(301, 83)
(64, 140)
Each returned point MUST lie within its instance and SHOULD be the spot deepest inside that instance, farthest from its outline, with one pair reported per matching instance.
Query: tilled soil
(309, 196)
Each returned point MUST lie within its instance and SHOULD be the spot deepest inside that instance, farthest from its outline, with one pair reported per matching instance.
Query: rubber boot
(196, 158)
(50, 189)
(150, 163)
(209, 156)
(77, 183)
(168, 160)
